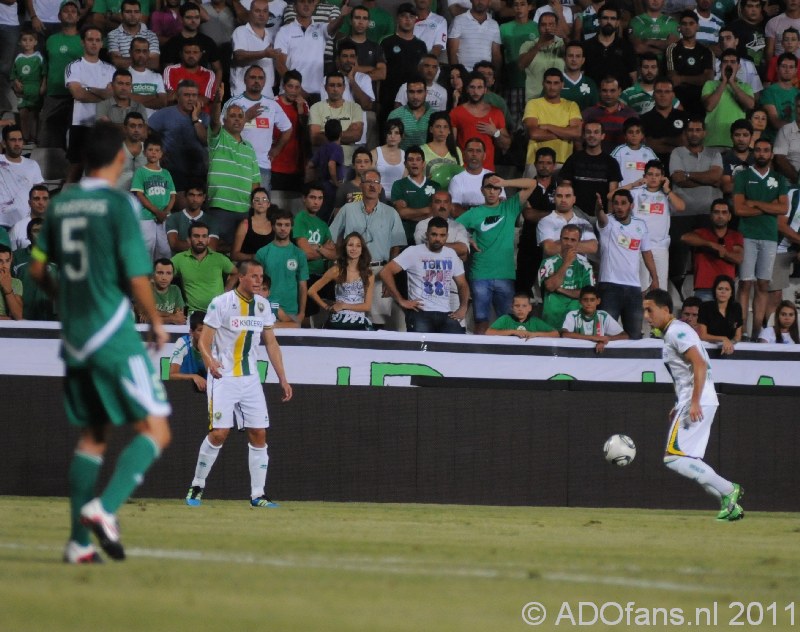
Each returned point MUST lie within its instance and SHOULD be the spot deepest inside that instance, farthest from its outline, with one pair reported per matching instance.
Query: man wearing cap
(403, 52)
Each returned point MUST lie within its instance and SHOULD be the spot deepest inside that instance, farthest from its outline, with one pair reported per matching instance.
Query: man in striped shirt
(119, 40)
(233, 170)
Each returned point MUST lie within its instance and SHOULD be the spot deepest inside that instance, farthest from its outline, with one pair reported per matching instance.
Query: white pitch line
(393, 565)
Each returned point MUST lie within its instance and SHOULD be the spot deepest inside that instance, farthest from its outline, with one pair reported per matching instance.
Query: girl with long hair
(720, 320)
(354, 286)
(456, 90)
(441, 147)
(785, 330)
(389, 159)
(255, 231)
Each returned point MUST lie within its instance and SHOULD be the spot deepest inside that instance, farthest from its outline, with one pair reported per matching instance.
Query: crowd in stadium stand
(425, 166)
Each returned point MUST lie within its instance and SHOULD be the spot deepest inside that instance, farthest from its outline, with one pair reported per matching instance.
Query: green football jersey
(533, 324)
(317, 232)
(157, 186)
(766, 188)
(91, 232)
(644, 27)
(557, 305)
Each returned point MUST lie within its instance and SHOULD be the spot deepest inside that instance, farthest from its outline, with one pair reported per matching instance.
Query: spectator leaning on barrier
(167, 297)
(11, 288)
(186, 362)
(520, 322)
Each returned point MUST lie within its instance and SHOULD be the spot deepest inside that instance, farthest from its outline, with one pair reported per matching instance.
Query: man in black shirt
(689, 65)
(609, 54)
(171, 51)
(591, 171)
(540, 204)
(402, 52)
(663, 125)
(749, 30)
(369, 54)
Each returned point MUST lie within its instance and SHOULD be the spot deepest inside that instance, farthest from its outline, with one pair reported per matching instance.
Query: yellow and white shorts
(236, 397)
(687, 437)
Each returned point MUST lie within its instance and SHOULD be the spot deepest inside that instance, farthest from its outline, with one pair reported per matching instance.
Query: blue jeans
(432, 323)
(623, 301)
(266, 179)
(488, 293)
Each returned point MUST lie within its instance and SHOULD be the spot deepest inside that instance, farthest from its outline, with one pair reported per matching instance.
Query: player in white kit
(695, 406)
(233, 324)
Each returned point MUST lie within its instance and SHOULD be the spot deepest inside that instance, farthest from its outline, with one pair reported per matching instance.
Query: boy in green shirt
(520, 322)
(590, 323)
(155, 191)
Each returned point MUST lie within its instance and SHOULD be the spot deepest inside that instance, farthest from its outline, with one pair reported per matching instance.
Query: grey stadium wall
(449, 441)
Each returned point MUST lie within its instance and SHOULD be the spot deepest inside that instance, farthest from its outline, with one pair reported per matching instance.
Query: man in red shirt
(288, 165)
(478, 119)
(190, 68)
(717, 250)
(611, 112)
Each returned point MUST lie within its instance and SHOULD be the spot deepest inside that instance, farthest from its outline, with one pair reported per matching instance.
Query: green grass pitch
(351, 567)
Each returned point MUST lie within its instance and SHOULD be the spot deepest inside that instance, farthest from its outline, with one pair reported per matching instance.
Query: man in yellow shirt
(552, 121)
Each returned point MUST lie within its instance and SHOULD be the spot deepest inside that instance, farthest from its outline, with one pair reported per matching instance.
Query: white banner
(391, 359)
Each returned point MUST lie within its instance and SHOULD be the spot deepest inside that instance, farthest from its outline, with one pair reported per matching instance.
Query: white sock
(701, 472)
(258, 461)
(205, 461)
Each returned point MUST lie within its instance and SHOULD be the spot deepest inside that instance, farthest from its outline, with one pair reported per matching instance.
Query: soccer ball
(619, 450)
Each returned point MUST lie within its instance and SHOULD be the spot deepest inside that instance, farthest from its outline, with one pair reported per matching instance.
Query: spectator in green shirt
(520, 322)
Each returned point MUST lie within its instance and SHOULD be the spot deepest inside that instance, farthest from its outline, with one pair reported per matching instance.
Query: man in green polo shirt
(233, 170)
(415, 114)
(759, 198)
(412, 195)
(201, 270)
(562, 276)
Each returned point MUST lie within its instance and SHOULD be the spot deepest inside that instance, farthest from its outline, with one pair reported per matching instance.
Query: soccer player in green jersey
(91, 232)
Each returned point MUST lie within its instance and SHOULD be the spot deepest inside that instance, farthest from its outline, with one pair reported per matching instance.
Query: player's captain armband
(246, 323)
(38, 255)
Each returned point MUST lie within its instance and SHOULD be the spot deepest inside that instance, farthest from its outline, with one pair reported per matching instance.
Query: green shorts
(116, 385)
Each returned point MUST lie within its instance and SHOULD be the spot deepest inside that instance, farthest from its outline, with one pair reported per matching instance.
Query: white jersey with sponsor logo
(653, 208)
(678, 339)
(632, 161)
(238, 324)
(621, 247)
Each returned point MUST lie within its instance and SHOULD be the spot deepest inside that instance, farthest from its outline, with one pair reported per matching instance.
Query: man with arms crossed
(229, 343)
(91, 232)
(695, 406)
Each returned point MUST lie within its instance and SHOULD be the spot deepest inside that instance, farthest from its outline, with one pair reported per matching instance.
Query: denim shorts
(759, 259)
(488, 293)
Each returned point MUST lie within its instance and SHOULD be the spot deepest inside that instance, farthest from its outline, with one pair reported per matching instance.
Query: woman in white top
(389, 159)
(785, 330)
